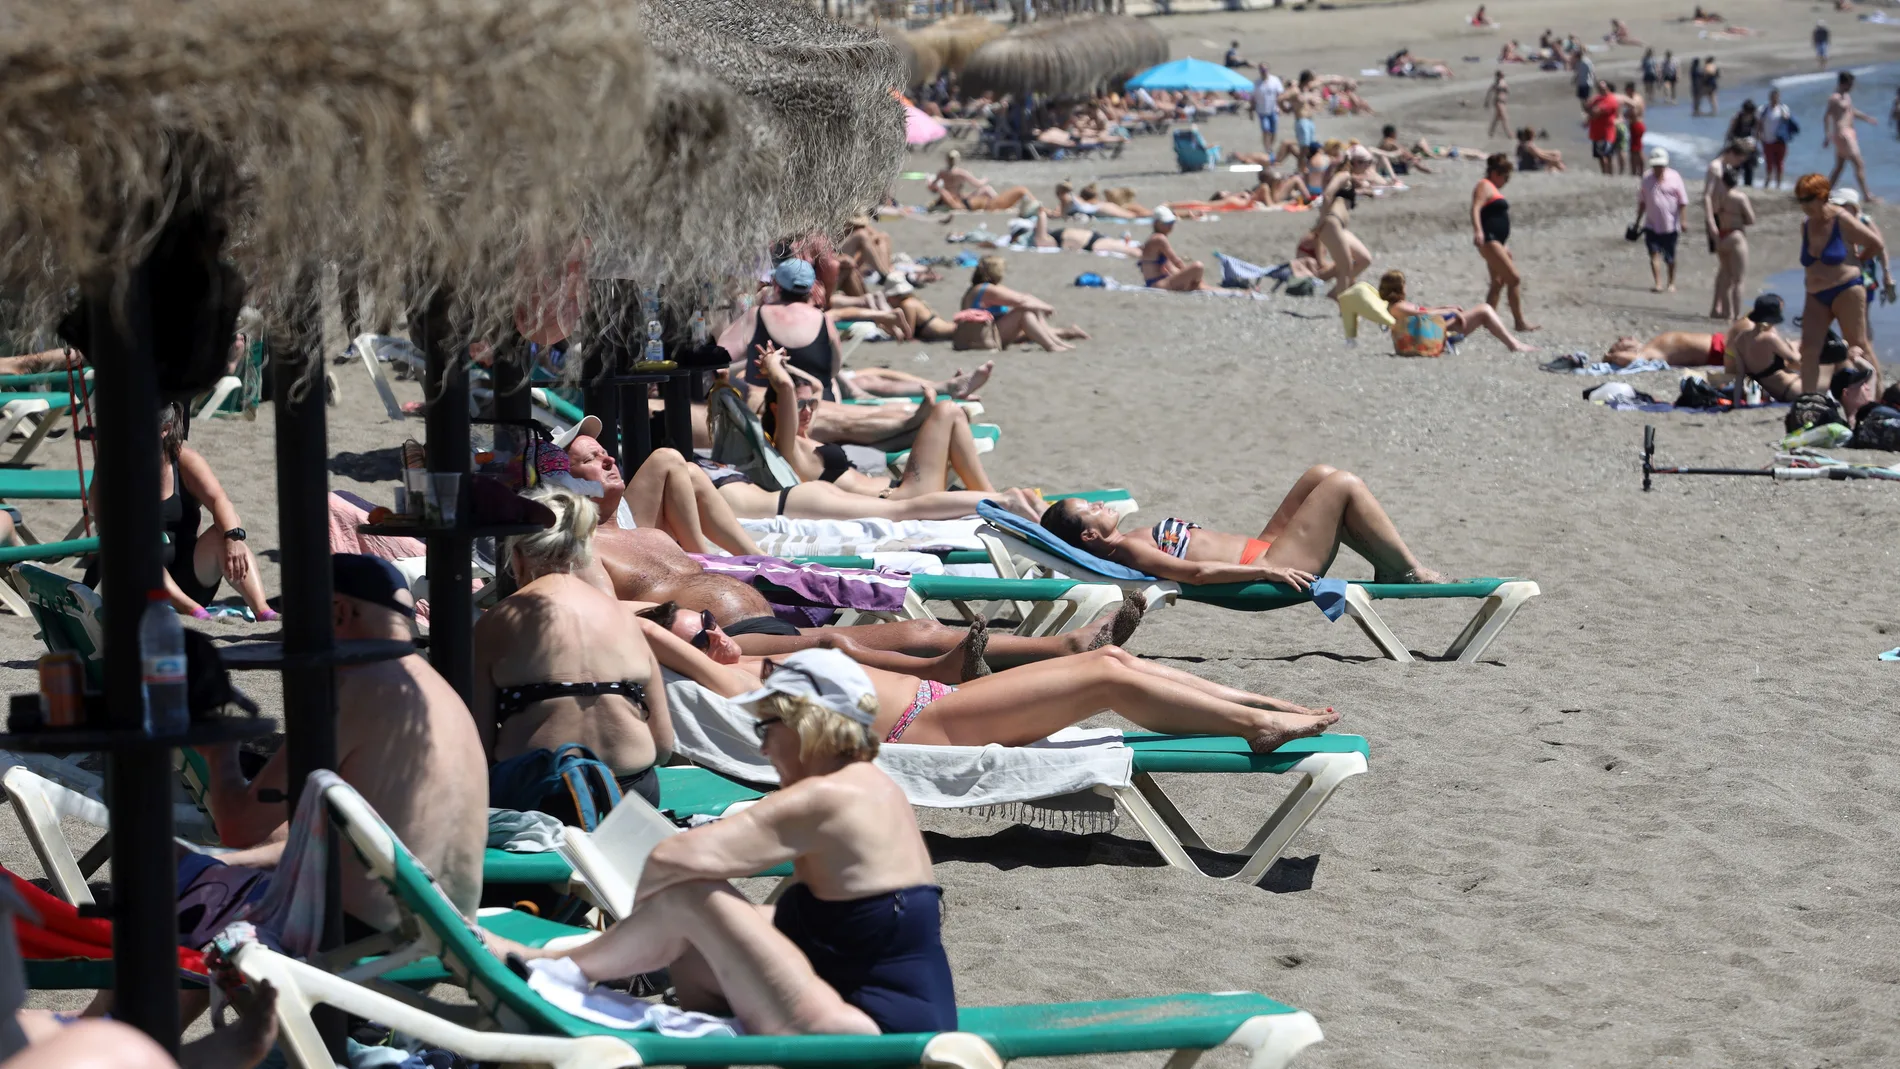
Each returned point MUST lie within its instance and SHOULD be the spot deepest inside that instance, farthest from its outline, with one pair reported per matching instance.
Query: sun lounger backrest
(68, 614)
(1035, 535)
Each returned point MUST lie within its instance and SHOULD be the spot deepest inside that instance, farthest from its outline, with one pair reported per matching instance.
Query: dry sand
(1654, 827)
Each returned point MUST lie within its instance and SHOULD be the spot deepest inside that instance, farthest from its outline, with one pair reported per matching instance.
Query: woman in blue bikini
(1019, 316)
(1161, 267)
(1834, 244)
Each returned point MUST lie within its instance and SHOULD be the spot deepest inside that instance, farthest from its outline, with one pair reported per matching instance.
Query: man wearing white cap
(1659, 205)
(1161, 266)
(855, 945)
(1848, 197)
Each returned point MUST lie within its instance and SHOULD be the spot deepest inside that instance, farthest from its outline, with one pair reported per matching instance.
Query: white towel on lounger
(809, 538)
(711, 731)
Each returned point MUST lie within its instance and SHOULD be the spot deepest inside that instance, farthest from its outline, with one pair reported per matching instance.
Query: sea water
(1693, 142)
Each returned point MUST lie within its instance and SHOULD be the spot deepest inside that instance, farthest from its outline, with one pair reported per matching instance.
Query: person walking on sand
(1837, 129)
(1650, 75)
(1660, 202)
(1303, 101)
(1777, 126)
(1733, 215)
(1490, 231)
(1635, 106)
(1822, 37)
(1495, 98)
(1602, 110)
(1266, 106)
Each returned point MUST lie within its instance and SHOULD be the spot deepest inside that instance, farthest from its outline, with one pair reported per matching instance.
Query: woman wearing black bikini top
(1757, 351)
(561, 663)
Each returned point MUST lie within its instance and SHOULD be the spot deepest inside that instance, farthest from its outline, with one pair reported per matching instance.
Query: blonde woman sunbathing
(1325, 509)
(1019, 706)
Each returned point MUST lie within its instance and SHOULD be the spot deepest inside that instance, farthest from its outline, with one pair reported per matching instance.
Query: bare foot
(975, 641)
(242, 1044)
(964, 385)
(1528, 328)
(1655, 289)
(1411, 575)
(1520, 347)
(1112, 630)
(1279, 728)
(1073, 333)
(1671, 288)
(1018, 502)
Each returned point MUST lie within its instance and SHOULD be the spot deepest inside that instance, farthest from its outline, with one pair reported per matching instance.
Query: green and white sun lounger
(520, 1027)
(1043, 606)
(1018, 548)
(43, 484)
(41, 410)
(10, 593)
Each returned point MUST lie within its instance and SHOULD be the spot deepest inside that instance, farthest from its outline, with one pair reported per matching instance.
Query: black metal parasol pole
(144, 873)
(513, 405)
(600, 397)
(303, 483)
(451, 607)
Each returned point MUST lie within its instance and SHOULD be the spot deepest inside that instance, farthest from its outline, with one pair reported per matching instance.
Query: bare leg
(661, 495)
(1342, 508)
(1504, 270)
(964, 386)
(716, 517)
(760, 973)
(864, 424)
(943, 444)
(1738, 273)
(1036, 329)
(1487, 317)
(208, 562)
(826, 501)
(1345, 271)
(1025, 704)
(927, 641)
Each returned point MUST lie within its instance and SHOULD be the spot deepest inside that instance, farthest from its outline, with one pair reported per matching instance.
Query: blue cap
(371, 579)
(795, 276)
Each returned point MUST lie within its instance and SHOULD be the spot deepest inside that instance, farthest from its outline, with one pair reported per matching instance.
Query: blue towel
(1891, 655)
(1328, 594)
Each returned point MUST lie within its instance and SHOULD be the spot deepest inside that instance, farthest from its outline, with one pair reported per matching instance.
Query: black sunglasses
(707, 625)
(762, 726)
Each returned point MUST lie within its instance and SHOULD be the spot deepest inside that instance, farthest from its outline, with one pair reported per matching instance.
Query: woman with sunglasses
(1021, 705)
(833, 490)
(1834, 245)
(566, 691)
(855, 945)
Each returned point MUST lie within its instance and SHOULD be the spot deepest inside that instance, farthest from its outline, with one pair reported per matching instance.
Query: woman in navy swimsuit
(1834, 243)
(855, 945)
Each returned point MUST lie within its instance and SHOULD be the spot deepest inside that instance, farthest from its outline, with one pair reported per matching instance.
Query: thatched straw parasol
(399, 135)
(1067, 58)
(818, 94)
(920, 55)
(956, 39)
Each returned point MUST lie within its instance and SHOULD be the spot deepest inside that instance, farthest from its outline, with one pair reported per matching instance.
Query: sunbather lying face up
(1021, 705)
(1325, 509)
(855, 945)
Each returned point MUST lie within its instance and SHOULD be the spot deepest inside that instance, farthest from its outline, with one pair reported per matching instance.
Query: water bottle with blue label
(162, 660)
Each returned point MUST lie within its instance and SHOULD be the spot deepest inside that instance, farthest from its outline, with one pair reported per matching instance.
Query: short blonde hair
(821, 732)
(568, 544)
(990, 269)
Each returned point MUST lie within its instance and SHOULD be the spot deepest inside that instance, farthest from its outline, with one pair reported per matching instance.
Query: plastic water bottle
(162, 653)
(655, 350)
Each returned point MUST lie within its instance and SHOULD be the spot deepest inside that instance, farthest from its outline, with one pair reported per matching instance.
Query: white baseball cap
(1846, 196)
(827, 677)
(1658, 157)
(589, 427)
(1164, 214)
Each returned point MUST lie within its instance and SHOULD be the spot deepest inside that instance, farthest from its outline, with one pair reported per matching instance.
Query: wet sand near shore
(1654, 826)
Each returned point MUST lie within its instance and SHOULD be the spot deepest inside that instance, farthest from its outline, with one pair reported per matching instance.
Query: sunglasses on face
(765, 725)
(807, 404)
(706, 627)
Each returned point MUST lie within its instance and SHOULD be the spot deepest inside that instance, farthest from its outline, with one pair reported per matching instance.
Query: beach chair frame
(1271, 1032)
(1014, 557)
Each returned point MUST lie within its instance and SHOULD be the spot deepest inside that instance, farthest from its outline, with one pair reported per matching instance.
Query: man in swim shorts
(1303, 101)
(1660, 201)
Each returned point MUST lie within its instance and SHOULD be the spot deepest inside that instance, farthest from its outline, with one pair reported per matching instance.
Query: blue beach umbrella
(1196, 74)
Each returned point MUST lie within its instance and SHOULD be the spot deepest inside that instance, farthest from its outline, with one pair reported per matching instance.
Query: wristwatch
(235, 534)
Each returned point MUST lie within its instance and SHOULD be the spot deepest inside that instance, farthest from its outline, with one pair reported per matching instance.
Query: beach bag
(1879, 428)
(1813, 410)
(739, 440)
(539, 774)
(976, 330)
(1697, 393)
(1423, 335)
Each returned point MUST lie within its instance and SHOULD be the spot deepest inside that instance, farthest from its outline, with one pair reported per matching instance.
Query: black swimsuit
(180, 514)
(836, 462)
(1494, 218)
(813, 357)
(516, 783)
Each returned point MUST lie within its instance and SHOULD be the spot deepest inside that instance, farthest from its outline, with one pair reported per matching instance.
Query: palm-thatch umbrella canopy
(920, 55)
(1067, 58)
(956, 39)
(443, 135)
(819, 90)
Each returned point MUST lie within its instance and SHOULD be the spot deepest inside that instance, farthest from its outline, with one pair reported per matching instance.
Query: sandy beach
(1654, 826)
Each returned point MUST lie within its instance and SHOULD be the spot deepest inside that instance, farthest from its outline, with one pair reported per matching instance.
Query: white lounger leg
(50, 416)
(1490, 619)
(1273, 1041)
(1155, 813)
(224, 388)
(959, 1050)
(301, 987)
(1359, 607)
